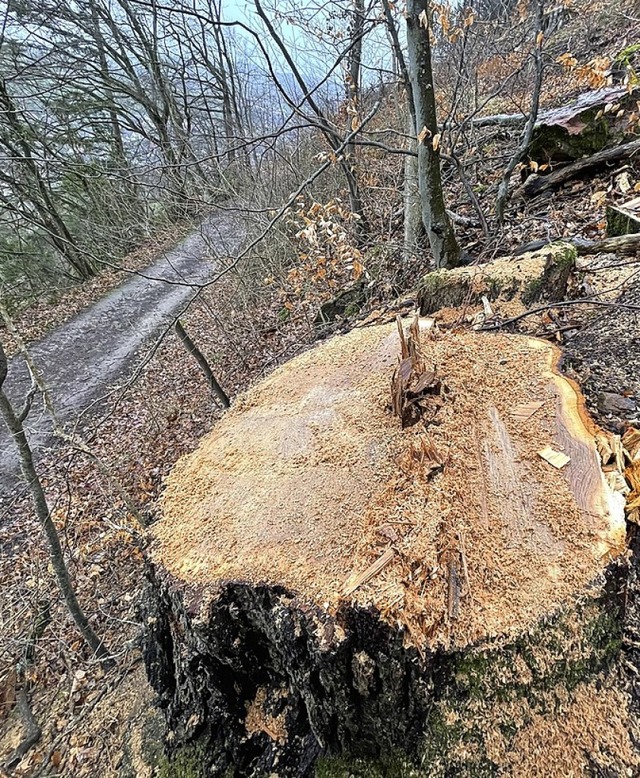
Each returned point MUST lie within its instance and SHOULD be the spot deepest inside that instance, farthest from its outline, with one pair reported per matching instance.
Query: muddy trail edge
(82, 359)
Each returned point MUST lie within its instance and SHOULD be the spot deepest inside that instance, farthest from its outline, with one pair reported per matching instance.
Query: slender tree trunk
(527, 133)
(354, 63)
(200, 358)
(442, 238)
(415, 235)
(14, 422)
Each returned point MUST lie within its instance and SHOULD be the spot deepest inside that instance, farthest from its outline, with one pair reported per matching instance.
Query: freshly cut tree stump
(331, 579)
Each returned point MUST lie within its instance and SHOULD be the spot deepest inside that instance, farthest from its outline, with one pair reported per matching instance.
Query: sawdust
(301, 484)
(259, 719)
(589, 731)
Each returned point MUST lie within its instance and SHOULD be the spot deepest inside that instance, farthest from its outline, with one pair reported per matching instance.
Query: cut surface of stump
(398, 543)
(456, 527)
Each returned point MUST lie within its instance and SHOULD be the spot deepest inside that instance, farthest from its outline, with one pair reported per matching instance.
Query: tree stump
(331, 583)
(531, 277)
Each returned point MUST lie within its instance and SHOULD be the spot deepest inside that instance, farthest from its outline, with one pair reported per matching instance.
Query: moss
(532, 290)
(187, 762)
(351, 310)
(552, 284)
(621, 222)
(393, 766)
(437, 292)
(626, 56)
(563, 651)
(555, 143)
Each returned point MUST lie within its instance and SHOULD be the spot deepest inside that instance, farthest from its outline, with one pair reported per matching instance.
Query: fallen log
(536, 184)
(535, 276)
(565, 114)
(318, 588)
(621, 244)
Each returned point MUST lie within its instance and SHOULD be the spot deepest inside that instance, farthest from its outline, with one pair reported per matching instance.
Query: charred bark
(256, 682)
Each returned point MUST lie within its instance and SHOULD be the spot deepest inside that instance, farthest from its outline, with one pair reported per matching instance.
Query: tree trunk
(328, 582)
(442, 238)
(415, 235)
(536, 184)
(15, 425)
(200, 358)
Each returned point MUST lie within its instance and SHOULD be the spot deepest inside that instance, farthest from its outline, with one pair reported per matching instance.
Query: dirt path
(84, 357)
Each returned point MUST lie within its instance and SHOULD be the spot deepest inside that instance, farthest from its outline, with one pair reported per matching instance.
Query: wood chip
(618, 451)
(353, 583)
(555, 458)
(603, 444)
(525, 411)
(631, 443)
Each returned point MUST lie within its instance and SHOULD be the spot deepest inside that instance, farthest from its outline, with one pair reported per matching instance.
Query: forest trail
(82, 359)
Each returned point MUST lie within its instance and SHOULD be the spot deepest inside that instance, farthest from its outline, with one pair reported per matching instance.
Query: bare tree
(15, 424)
(442, 238)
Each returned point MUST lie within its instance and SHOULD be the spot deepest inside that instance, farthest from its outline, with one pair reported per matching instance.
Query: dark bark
(536, 184)
(442, 238)
(342, 684)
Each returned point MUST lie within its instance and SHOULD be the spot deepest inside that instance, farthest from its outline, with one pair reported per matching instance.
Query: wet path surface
(86, 356)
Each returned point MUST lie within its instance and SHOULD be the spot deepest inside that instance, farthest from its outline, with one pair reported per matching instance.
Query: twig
(33, 729)
(562, 304)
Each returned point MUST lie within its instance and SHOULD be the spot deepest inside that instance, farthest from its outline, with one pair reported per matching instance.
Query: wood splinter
(354, 583)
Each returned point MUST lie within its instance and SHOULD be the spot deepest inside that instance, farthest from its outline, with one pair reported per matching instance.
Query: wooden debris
(415, 389)
(555, 458)
(353, 583)
(536, 184)
(617, 482)
(632, 476)
(454, 590)
(606, 452)
(525, 411)
(422, 454)
(631, 443)
(623, 219)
